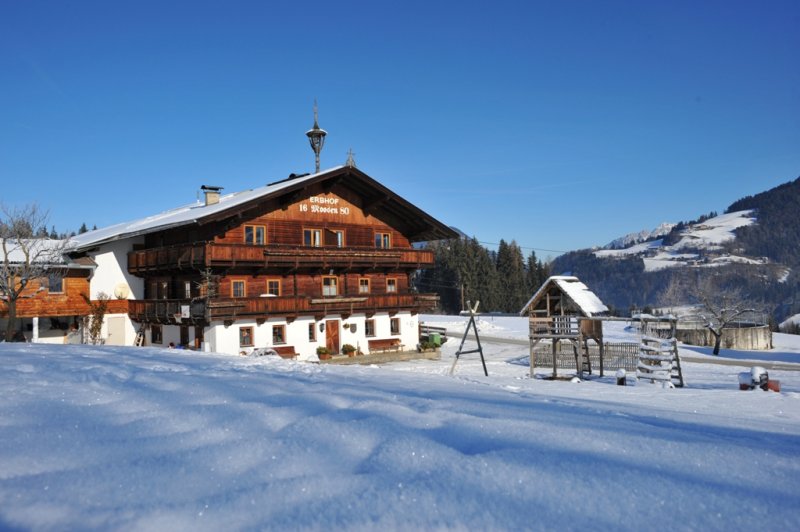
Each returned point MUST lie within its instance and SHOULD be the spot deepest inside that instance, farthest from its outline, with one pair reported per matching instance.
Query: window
(237, 289)
(334, 237)
(278, 334)
(151, 291)
(156, 335)
(363, 285)
(312, 332)
(55, 283)
(187, 289)
(369, 328)
(329, 286)
(163, 290)
(245, 336)
(394, 326)
(255, 235)
(312, 237)
(274, 287)
(391, 285)
(383, 240)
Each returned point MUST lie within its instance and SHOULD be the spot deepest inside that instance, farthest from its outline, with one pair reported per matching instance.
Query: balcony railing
(200, 256)
(184, 310)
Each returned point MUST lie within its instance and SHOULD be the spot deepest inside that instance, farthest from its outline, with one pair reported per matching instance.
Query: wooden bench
(384, 345)
(283, 351)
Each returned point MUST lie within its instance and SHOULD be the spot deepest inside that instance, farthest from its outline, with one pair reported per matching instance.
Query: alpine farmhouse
(318, 260)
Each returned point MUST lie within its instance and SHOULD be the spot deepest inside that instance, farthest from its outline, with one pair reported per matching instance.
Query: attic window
(383, 240)
(255, 235)
(312, 237)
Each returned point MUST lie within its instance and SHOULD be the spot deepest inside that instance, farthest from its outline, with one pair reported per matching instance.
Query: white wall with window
(297, 334)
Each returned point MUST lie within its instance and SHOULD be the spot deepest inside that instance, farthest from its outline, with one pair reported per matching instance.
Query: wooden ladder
(659, 361)
(139, 340)
(582, 361)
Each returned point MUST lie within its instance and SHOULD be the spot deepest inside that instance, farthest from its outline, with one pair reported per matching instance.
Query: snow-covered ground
(152, 439)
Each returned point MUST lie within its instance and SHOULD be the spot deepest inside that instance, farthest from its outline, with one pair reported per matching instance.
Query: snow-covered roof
(401, 211)
(579, 293)
(180, 216)
(40, 250)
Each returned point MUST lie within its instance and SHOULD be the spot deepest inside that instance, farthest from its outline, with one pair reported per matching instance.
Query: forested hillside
(777, 233)
(466, 271)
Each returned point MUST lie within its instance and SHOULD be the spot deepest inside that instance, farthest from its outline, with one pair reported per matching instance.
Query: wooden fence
(622, 355)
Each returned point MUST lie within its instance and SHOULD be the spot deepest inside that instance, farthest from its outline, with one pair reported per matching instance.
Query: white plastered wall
(223, 339)
(112, 272)
(409, 329)
(226, 339)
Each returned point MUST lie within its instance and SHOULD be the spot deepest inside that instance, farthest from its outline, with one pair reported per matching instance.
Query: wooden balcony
(201, 310)
(200, 256)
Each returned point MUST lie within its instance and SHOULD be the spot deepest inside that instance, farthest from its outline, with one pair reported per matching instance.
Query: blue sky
(560, 125)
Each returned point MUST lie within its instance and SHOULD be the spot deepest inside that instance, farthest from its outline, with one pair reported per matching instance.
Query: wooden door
(332, 335)
(198, 337)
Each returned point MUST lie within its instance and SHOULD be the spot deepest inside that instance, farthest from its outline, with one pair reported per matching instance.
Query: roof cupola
(316, 136)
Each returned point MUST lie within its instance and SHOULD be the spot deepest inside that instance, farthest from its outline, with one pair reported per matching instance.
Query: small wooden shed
(559, 312)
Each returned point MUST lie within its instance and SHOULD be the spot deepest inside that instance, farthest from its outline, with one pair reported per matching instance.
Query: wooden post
(601, 348)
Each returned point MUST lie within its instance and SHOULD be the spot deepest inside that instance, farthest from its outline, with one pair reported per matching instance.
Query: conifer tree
(511, 270)
(532, 274)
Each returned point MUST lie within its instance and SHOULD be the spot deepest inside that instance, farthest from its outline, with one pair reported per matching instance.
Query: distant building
(52, 303)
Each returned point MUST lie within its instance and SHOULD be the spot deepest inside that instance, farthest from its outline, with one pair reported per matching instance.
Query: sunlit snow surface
(151, 439)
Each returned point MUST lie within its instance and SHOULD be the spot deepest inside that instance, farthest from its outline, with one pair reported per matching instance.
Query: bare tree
(675, 293)
(25, 257)
(94, 321)
(722, 305)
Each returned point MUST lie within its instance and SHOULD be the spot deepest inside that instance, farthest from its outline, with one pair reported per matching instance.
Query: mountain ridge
(756, 243)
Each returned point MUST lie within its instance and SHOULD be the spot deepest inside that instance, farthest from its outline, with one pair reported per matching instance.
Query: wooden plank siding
(69, 302)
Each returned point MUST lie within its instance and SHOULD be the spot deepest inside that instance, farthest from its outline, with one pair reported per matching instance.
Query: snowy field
(152, 439)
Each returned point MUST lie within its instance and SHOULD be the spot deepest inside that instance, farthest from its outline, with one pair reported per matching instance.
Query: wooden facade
(338, 243)
(39, 300)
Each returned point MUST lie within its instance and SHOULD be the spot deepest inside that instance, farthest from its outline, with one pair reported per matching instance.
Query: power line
(525, 247)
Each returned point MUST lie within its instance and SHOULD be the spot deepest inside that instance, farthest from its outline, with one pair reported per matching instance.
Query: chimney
(212, 194)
